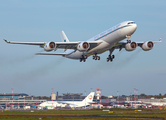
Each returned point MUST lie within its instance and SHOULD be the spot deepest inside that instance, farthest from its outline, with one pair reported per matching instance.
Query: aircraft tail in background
(64, 37)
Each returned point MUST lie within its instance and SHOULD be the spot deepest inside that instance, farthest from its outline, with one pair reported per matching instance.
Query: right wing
(121, 44)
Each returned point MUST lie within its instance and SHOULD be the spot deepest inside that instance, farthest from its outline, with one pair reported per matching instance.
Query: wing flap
(67, 45)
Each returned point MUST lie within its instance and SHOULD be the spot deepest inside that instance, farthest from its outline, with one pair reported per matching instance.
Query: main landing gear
(83, 58)
(95, 57)
(110, 58)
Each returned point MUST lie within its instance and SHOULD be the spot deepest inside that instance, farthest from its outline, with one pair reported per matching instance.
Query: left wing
(64, 45)
(56, 45)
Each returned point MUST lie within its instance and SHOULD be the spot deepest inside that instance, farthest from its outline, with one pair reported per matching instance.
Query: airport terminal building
(19, 100)
(10, 96)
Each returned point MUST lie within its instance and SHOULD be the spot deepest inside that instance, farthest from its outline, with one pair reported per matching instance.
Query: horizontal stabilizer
(61, 54)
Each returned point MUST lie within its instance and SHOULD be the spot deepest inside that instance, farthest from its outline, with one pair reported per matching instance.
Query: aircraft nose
(134, 26)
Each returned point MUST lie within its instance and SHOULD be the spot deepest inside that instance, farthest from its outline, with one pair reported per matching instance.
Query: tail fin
(64, 37)
(89, 98)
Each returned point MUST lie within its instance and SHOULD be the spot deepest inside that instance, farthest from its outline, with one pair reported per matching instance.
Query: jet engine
(49, 46)
(83, 46)
(131, 46)
(147, 45)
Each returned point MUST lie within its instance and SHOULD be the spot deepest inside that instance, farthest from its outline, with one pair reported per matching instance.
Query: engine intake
(83, 46)
(147, 45)
(131, 46)
(49, 46)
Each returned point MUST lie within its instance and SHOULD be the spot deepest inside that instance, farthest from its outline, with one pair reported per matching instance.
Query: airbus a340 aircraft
(108, 40)
(73, 104)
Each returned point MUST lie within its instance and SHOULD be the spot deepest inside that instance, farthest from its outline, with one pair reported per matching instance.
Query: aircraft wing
(65, 103)
(71, 103)
(62, 45)
(121, 44)
(25, 43)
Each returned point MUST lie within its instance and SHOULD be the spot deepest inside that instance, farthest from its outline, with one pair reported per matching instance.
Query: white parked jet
(107, 40)
(87, 101)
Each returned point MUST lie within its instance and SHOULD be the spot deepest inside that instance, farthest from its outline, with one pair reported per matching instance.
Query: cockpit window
(131, 23)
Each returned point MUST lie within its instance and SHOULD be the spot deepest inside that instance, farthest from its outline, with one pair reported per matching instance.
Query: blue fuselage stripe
(110, 32)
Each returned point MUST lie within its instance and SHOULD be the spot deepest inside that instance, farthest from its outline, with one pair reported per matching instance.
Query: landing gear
(83, 58)
(128, 41)
(128, 37)
(95, 57)
(110, 58)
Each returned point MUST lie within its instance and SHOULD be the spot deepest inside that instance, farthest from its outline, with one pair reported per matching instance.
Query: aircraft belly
(75, 55)
(104, 46)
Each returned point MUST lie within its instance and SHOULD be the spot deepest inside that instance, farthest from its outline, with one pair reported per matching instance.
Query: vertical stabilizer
(64, 37)
(89, 98)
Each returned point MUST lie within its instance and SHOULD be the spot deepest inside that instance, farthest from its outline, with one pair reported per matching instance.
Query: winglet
(158, 41)
(6, 41)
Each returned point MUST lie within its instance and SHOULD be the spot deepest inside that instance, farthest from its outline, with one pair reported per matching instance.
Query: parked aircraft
(108, 40)
(73, 104)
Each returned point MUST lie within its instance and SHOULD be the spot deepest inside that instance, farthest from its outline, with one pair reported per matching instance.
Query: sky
(42, 21)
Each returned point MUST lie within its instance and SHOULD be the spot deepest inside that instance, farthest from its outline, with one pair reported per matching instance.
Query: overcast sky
(42, 21)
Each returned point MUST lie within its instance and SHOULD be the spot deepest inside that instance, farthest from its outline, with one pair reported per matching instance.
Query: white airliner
(108, 40)
(73, 104)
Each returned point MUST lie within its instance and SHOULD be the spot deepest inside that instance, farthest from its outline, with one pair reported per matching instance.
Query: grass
(81, 114)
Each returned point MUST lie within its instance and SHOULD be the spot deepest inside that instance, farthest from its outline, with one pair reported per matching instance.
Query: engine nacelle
(83, 46)
(147, 45)
(131, 46)
(49, 46)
